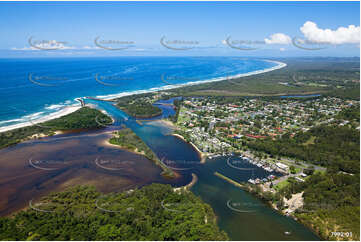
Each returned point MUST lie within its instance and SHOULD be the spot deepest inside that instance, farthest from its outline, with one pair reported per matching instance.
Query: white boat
(251, 181)
(269, 169)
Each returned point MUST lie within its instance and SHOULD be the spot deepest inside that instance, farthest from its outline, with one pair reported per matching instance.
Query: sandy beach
(168, 87)
(168, 123)
(70, 109)
(189, 185)
(202, 155)
(61, 113)
(108, 144)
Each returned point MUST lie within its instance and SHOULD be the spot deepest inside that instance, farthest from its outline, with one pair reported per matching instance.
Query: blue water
(33, 88)
(301, 96)
(253, 220)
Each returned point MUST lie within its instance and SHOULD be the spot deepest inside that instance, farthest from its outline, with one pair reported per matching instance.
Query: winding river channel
(34, 168)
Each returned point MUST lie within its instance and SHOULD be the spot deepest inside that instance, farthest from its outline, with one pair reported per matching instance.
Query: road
(283, 178)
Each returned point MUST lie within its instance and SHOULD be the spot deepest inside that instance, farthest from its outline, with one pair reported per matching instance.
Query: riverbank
(247, 188)
(106, 143)
(128, 140)
(189, 185)
(295, 202)
(202, 155)
(170, 124)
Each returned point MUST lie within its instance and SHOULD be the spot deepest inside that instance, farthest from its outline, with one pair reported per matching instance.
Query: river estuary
(80, 159)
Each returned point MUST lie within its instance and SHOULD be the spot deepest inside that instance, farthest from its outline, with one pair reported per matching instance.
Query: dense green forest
(142, 110)
(139, 106)
(154, 212)
(84, 118)
(335, 76)
(333, 146)
(127, 139)
(331, 203)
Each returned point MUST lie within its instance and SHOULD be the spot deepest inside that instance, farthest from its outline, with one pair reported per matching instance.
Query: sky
(279, 29)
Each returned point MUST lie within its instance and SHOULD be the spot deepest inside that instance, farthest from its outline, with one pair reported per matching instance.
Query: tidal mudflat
(32, 169)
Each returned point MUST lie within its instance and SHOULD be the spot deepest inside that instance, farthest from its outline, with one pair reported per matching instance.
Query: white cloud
(91, 47)
(24, 48)
(59, 46)
(342, 35)
(282, 49)
(51, 44)
(278, 38)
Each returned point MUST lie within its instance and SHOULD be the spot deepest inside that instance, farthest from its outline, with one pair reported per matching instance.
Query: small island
(142, 107)
(127, 139)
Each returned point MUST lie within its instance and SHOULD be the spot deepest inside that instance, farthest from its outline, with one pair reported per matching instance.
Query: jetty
(229, 180)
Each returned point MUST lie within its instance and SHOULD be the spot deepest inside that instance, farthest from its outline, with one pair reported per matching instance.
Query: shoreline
(110, 97)
(189, 185)
(61, 113)
(270, 204)
(159, 163)
(106, 143)
(168, 123)
(70, 109)
(202, 155)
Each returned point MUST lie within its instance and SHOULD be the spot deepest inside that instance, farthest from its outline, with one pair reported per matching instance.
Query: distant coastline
(70, 109)
(192, 83)
(65, 111)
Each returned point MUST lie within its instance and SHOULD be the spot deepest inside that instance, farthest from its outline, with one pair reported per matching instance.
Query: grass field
(281, 185)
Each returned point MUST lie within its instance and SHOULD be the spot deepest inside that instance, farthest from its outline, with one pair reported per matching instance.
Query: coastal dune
(61, 113)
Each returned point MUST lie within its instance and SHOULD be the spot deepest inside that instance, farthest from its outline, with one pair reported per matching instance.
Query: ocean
(34, 89)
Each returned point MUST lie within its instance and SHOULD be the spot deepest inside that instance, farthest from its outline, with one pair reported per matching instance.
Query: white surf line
(64, 111)
(70, 109)
(168, 87)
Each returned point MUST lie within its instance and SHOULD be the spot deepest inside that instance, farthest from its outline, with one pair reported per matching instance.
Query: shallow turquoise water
(34, 88)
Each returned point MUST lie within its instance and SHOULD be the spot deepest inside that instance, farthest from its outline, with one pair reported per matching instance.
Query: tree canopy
(154, 212)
